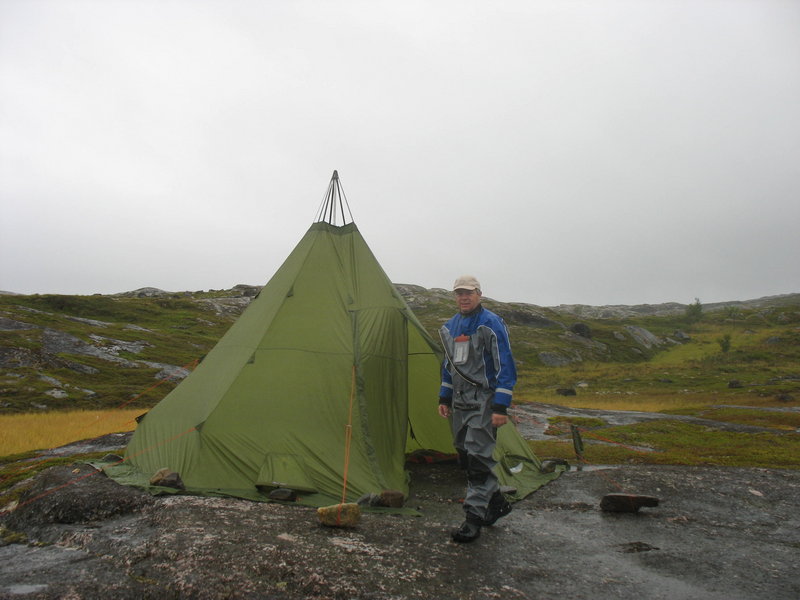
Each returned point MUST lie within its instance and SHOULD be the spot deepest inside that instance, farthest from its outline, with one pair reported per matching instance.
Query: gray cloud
(595, 152)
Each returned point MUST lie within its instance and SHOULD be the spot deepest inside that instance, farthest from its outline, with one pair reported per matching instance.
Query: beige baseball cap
(466, 282)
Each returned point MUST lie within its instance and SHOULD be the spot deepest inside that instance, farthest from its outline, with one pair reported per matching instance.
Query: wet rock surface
(716, 533)
(532, 419)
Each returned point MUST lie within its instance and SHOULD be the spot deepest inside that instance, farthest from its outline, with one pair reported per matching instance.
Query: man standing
(478, 376)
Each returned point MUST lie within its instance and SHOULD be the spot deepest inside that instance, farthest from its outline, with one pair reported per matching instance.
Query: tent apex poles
(334, 203)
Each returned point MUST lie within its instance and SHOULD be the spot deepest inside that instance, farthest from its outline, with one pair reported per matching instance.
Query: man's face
(467, 300)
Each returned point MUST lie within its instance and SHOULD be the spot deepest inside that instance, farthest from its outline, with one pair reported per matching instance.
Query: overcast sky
(595, 152)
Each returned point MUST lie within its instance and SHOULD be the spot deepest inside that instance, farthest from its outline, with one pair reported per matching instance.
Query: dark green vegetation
(670, 442)
(60, 352)
(99, 351)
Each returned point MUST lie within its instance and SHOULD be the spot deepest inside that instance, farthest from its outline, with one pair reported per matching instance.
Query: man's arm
(506, 372)
(446, 392)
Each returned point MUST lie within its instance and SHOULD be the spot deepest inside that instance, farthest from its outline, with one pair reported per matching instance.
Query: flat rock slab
(711, 537)
(626, 502)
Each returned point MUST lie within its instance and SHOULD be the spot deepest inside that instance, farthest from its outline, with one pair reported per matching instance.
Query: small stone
(166, 478)
(283, 495)
(339, 515)
(392, 498)
(626, 502)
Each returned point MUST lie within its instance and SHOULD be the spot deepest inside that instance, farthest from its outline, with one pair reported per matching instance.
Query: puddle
(591, 467)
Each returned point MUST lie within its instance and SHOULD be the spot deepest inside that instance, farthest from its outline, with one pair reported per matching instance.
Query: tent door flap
(284, 471)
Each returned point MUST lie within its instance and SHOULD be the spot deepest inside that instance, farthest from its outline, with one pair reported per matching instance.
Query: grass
(27, 432)
(786, 421)
(653, 402)
(675, 443)
(561, 425)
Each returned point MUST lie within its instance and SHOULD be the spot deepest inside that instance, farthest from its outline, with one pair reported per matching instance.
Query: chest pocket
(461, 350)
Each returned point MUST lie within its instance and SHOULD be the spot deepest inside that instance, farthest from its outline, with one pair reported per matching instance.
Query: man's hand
(499, 420)
(444, 411)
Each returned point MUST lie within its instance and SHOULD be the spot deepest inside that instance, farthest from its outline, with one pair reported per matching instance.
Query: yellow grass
(42, 431)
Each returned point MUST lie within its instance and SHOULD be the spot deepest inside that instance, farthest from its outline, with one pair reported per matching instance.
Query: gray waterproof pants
(474, 437)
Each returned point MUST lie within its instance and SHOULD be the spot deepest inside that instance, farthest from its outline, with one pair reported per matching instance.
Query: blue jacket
(495, 369)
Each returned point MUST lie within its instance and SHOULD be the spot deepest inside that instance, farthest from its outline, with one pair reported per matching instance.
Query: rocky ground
(716, 533)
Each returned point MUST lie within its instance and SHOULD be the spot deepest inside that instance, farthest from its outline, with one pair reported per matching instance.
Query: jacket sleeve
(504, 364)
(446, 391)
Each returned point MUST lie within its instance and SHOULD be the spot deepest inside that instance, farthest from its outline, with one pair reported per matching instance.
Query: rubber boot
(498, 507)
(468, 532)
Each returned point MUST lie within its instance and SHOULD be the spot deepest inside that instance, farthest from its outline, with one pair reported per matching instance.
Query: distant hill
(671, 308)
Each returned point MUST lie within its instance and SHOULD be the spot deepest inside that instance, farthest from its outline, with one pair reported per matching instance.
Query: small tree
(724, 342)
(694, 312)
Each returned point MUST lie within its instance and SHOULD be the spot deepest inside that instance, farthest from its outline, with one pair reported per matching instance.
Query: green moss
(561, 425)
(689, 444)
(12, 537)
(675, 443)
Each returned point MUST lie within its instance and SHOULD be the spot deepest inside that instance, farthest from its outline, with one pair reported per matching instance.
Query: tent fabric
(328, 351)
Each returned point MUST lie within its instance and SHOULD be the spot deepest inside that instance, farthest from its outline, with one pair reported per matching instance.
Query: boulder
(74, 494)
(643, 337)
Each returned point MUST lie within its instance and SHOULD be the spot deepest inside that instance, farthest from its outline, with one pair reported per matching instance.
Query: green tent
(327, 373)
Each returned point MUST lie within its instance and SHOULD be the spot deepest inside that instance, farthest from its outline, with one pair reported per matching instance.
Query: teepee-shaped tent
(326, 377)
